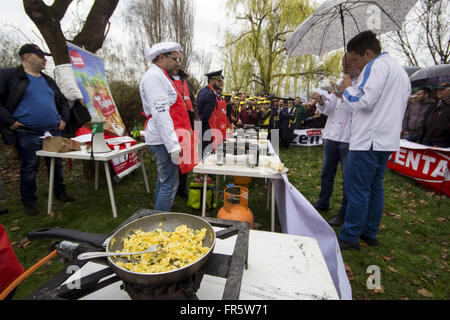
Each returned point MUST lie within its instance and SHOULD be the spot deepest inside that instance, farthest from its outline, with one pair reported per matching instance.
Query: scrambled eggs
(177, 249)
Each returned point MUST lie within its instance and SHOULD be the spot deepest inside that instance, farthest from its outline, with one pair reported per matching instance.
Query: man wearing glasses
(168, 131)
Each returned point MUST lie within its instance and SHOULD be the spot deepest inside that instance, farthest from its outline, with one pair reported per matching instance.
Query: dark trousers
(28, 143)
(334, 152)
(365, 194)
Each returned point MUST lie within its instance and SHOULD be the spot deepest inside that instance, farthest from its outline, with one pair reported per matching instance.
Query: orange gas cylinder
(242, 181)
(236, 206)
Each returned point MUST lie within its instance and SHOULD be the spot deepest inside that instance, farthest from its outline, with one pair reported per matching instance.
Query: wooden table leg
(205, 184)
(51, 183)
(110, 189)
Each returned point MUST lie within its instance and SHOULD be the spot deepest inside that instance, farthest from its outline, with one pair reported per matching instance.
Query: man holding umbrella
(378, 105)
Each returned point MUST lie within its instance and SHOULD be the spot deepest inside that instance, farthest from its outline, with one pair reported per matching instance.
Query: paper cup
(116, 148)
(127, 145)
(83, 148)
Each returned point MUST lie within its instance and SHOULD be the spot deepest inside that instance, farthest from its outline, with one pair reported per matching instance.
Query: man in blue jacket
(31, 104)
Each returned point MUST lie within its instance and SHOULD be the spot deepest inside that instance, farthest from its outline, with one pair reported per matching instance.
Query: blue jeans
(365, 194)
(28, 143)
(167, 179)
(333, 153)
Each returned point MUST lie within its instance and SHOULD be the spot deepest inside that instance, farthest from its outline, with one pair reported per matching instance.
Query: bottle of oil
(135, 132)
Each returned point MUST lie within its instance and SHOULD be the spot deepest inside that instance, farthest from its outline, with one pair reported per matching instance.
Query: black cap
(215, 75)
(32, 48)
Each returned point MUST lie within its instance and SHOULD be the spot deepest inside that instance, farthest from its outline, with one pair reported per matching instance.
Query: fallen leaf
(421, 221)
(381, 290)
(388, 258)
(425, 293)
(350, 274)
(397, 216)
(14, 229)
(390, 214)
(407, 232)
(416, 282)
(382, 227)
(392, 269)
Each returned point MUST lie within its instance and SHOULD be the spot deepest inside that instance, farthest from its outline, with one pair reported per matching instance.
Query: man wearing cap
(31, 104)
(437, 124)
(416, 112)
(212, 111)
(168, 130)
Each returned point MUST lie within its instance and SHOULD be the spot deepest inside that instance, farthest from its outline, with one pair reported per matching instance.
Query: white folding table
(208, 166)
(97, 157)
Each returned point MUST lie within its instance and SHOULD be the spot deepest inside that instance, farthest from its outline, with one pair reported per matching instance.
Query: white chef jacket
(339, 120)
(158, 95)
(378, 105)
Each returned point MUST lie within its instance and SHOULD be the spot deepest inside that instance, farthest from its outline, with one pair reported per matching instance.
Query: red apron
(182, 125)
(218, 120)
(183, 89)
(10, 267)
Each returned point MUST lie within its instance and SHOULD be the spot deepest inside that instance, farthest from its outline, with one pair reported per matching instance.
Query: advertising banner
(90, 75)
(308, 138)
(428, 166)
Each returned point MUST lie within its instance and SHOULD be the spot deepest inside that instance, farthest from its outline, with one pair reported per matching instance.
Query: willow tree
(258, 48)
(47, 19)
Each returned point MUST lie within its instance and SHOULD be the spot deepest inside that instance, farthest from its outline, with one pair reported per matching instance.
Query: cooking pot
(166, 221)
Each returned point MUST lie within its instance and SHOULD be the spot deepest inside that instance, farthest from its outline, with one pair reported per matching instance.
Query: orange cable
(26, 274)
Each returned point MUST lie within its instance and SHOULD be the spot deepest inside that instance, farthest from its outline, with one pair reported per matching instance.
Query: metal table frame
(98, 157)
(237, 170)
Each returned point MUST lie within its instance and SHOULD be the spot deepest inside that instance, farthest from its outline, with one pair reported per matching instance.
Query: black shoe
(320, 208)
(369, 241)
(336, 221)
(65, 198)
(31, 210)
(3, 211)
(347, 245)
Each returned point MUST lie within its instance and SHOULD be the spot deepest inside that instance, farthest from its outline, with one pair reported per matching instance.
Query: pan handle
(94, 239)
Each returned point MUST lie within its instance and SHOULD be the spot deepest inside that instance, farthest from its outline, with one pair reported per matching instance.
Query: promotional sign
(428, 166)
(308, 138)
(90, 74)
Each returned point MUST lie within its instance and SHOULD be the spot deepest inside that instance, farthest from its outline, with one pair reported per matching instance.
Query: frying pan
(166, 221)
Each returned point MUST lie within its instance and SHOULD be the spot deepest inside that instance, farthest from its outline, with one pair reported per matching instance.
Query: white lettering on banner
(311, 137)
(413, 161)
(400, 156)
(440, 169)
(428, 160)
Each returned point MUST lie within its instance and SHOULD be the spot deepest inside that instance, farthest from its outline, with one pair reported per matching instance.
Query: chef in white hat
(168, 131)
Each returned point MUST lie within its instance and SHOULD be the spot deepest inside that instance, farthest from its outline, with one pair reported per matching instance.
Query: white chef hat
(162, 47)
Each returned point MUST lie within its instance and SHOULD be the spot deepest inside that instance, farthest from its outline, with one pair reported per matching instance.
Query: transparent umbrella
(337, 21)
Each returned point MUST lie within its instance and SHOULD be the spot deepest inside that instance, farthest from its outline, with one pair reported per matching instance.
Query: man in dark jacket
(437, 123)
(31, 105)
(415, 114)
(287, 123)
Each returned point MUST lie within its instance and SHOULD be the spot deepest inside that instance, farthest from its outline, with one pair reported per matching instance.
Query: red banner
(430, 168)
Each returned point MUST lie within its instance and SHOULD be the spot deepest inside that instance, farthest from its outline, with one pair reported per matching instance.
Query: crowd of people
(427, 117)
(363, 115)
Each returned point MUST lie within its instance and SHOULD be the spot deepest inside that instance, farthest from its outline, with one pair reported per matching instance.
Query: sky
(210, 20)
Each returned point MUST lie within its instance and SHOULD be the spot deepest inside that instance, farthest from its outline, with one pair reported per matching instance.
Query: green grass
(413, 255)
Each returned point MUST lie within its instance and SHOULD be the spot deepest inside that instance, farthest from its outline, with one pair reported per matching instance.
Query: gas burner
(230, 267)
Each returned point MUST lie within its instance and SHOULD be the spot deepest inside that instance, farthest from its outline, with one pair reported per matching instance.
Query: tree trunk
(48, 20)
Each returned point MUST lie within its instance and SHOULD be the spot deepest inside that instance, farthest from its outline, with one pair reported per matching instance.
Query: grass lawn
(414, 235)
